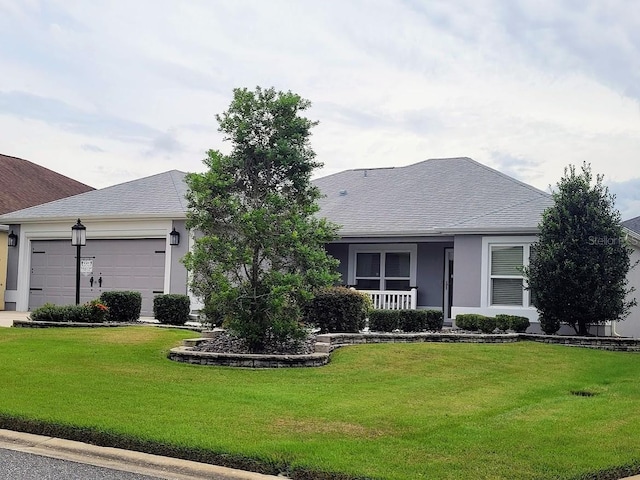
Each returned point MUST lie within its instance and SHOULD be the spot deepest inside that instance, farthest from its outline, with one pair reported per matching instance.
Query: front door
(448, 282)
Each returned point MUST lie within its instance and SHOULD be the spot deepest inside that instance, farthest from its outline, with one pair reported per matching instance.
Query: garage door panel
(121, 264)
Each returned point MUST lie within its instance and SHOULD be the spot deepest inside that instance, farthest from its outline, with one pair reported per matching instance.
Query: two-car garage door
(106, 265)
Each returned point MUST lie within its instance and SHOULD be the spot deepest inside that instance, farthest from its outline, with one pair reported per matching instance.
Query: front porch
(393, 299)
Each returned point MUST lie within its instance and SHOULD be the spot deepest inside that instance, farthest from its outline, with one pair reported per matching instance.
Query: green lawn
(436, 411)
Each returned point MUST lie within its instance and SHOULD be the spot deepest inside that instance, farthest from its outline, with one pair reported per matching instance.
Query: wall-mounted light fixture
(78, 239)
(174, 237)
(13, 239)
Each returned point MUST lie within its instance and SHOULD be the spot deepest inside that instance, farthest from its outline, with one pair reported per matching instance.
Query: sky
(108, 91)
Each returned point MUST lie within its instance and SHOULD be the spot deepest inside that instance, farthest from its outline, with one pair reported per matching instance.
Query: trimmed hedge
(405, 320)
(474, 322)
(384, 320)
(124, 306)
(512, 322)
(338, 309)
(171, 308)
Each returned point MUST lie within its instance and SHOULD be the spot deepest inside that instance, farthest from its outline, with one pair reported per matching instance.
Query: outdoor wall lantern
(174, 237)
(78, 240)
(13, 239)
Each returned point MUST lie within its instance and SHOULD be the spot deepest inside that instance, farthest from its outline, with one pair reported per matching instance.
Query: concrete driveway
(7, 317)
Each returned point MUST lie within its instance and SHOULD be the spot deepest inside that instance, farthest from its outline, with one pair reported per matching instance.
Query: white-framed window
(383, 266)
(504, 284)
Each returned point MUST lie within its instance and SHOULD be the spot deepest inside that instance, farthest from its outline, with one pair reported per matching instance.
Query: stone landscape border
(326, 343)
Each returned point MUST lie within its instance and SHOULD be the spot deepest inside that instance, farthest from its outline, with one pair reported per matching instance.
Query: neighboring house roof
(159, 196)
(632, 224)
(433, 197)
(24, 184)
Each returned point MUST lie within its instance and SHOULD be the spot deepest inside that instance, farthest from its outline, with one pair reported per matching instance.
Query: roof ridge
(57, 174)
(514, 180)
(486, 214)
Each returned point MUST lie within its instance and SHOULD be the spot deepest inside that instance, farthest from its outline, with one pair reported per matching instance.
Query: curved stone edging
(188, 355)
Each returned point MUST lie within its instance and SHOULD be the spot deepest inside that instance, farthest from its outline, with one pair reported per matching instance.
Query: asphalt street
(16, 465)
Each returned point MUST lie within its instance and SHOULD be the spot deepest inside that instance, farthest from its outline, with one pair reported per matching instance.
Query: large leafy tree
(578, 270)
(259, 252)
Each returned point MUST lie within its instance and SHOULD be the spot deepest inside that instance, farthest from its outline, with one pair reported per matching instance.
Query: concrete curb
(124, 460)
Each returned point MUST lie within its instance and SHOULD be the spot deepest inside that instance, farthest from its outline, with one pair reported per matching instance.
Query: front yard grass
(393, 411)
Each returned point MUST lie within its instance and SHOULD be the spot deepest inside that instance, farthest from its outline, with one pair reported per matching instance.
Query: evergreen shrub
(171, 308)
(124, 306)
(338, 309)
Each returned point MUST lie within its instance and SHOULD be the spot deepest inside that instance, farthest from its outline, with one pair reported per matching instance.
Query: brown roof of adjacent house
(24, 184)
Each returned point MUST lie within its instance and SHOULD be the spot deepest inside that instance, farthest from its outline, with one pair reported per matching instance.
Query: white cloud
(524, 86)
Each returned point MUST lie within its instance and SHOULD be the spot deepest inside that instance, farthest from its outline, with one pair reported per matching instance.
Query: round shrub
(519, 324)
(503, 322)
(124, 306)
(486, 324)
(171, 308)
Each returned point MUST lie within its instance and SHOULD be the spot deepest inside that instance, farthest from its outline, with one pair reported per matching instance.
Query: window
(507, 283)
(383, 267)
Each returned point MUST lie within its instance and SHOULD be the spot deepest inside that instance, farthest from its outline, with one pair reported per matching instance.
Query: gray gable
(632, 224)
(157, 196)
(433, 197)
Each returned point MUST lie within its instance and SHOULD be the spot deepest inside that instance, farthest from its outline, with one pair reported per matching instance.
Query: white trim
(410, 248)
(168, 250)
(196, 302)
(485, 291)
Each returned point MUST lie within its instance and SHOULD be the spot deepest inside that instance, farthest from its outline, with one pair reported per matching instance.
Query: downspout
(613, 329)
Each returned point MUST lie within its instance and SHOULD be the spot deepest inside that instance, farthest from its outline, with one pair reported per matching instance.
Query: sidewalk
(7, 317)
(124, 460)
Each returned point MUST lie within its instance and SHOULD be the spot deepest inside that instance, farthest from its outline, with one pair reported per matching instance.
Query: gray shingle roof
(157, 196)
(632, 224)
(437, 196)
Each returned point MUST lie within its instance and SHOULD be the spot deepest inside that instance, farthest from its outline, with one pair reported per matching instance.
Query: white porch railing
(393, 299)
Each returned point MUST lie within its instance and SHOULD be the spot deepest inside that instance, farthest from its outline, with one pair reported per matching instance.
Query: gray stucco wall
(340, 251)
(178, 279)
(467, 268)
(12, 262)
(430, 273)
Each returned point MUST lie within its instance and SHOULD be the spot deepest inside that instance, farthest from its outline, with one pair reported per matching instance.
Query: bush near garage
(124, 306)
(338, 309)
(171, 308)
(91, 312)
